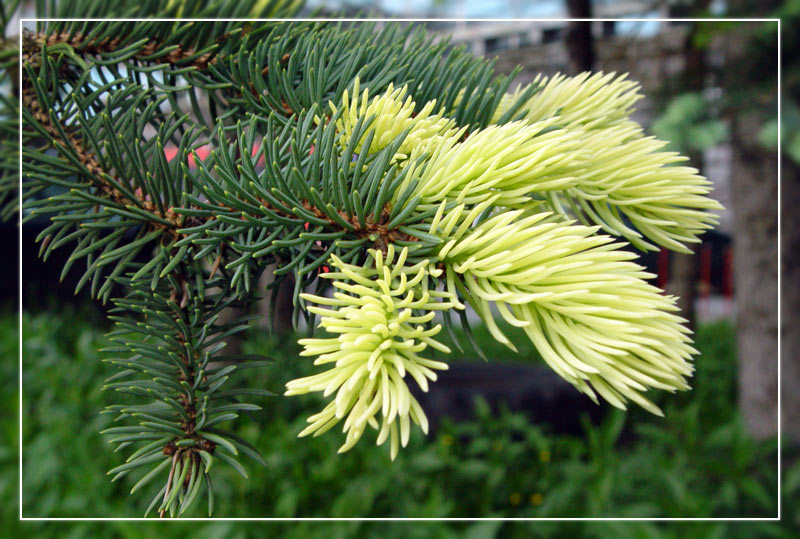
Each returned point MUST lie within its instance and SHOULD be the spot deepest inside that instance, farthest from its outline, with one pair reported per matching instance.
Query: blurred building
(510, 9)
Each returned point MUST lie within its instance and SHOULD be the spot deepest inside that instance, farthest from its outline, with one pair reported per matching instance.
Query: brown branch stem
(96, 175)
(169, 481)
(95, 47)
(92, 165)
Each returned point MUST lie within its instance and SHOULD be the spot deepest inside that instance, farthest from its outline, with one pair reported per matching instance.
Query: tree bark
(683, 266)
(790, 300)
(579, 40)
(282, 311)
(755, 262)
(754, 184)
(682, 283)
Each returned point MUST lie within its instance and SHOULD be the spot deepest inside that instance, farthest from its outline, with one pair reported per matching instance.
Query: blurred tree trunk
(579, 40)
(682, 283)
(750, 83)
(283, 308)
(790, 300)
(683, 271)
(790, 239)
(755, 267)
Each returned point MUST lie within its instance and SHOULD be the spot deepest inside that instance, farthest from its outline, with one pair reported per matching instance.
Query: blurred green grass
(698, 462)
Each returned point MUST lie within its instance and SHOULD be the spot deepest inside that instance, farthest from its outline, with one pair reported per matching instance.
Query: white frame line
(327, 519)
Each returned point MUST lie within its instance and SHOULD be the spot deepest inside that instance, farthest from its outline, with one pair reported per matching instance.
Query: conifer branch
(96, 172)
(150, 51)
(400, 171)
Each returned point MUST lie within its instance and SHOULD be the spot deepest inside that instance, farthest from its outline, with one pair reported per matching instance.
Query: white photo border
(22, 21)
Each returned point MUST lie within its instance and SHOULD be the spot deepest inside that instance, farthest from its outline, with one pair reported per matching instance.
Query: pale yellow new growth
(585, 100)
(626, 174)
(620, 172)
(574, 147)
(392, 114)
(583, 304)
(586, 307)
(513, 159)
(378, 341)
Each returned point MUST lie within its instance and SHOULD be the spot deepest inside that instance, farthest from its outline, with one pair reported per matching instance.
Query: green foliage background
(698, 462)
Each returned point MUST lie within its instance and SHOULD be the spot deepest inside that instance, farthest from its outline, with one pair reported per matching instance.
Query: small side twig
(169, 481)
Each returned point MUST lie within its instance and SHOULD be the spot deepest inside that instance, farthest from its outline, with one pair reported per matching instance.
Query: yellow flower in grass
(379, 335)
(585, 306)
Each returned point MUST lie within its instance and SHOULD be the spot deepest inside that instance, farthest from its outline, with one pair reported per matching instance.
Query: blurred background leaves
(699, 462)
(689, 125)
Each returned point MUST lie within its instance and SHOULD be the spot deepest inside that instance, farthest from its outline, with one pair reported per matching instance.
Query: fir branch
(172, 336)
(148, 51)
(399, 163)
(97, 174)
